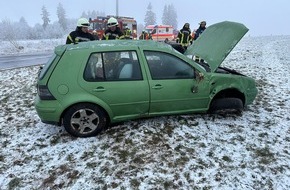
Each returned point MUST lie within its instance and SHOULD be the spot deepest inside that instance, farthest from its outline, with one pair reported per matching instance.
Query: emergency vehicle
(161, 32)
(99, 25)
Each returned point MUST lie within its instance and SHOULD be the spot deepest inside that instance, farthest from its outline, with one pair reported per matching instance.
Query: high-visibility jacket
(113, 35)
(145, 36)
(128, 34)
(184, 37)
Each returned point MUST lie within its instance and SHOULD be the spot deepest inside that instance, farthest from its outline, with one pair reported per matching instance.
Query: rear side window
(113, 66)
(47, 66)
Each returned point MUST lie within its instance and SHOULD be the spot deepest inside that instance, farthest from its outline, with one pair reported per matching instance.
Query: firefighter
(197, 33)
(184, 36)
(128, 33)
(81, 33)
(200, 30)
(145, 36)
(113, 32)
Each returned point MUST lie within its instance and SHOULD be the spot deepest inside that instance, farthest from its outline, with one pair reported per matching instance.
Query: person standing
(197, 33)
(113, 32)
(145, 36)
(184, 36)
(81, 33)
(128, 33)
(200, 30)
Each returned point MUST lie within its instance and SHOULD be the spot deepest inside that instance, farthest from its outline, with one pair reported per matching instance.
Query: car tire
(84, 120)
(226, 105)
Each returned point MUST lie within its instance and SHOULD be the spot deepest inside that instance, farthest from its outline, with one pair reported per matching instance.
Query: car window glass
(47, 66)
(113, 66)
(166, 66)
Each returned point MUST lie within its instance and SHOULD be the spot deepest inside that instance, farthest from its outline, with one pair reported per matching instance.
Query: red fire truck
(161, 32)
(99, 24)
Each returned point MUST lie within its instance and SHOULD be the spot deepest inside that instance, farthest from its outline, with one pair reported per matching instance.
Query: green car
(89, 85)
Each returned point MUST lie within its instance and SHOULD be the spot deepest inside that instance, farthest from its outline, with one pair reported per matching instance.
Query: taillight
(44, 93)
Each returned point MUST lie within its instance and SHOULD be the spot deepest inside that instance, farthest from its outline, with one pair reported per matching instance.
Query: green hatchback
(89, 85)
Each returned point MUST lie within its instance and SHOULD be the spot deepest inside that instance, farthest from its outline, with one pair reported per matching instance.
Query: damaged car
(87, 86)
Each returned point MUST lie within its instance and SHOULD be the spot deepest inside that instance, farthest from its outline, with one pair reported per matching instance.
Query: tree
(61, 16)
(45, 17)
(8, 33)
(169, 16)
(23, 27)
(165, 17)
(84, 15)
(150, 17)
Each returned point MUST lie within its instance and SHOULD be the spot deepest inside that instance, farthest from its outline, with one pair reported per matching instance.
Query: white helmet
(83, 22)
(112, 22)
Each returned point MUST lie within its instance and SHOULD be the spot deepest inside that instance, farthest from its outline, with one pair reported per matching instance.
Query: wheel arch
(107, 113)
(229, 93)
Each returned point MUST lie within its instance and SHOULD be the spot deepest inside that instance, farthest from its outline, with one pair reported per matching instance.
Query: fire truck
(161, 32)
(99, 25)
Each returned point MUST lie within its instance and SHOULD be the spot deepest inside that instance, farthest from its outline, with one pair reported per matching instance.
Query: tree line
(20, 30)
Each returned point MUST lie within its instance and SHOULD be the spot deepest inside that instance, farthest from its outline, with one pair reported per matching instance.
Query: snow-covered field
(251, 151)
(31, 46)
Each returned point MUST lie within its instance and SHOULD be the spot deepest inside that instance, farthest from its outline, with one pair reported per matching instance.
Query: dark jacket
(79, 36)
(113, 35)
(198, 32)
(184, 36)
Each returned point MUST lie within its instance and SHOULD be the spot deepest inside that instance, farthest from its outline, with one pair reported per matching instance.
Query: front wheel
(226, 105)
(84, 120)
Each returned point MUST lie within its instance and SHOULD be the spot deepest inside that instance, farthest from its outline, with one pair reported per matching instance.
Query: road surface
(23, 60)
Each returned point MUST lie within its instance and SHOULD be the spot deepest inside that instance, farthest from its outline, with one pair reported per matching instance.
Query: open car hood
(216, 42)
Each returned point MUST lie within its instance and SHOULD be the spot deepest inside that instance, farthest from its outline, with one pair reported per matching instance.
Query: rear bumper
(49, 111)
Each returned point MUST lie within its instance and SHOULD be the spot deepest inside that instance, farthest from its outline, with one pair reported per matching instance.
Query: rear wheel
(84, 120)
(226, 105)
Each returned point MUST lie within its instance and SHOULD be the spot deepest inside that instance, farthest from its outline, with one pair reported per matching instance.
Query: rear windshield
(47, 66)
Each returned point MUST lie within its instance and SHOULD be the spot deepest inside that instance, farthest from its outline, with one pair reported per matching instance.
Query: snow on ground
(251, 151)
(31, 46)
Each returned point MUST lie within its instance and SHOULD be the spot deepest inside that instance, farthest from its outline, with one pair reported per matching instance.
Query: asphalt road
(23, 60)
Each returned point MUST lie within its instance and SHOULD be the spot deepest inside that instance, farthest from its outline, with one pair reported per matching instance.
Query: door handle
(99, 89)
(157, 86)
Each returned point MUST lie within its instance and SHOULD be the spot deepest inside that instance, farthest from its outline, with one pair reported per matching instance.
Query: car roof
(107, 45)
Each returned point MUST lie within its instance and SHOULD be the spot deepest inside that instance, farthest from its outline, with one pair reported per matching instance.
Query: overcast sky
(262, 17)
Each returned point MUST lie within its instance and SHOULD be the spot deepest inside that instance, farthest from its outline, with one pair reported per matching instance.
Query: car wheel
(226, 105)
(84, 120)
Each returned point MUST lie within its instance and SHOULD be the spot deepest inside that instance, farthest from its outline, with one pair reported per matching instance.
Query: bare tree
(9, 33)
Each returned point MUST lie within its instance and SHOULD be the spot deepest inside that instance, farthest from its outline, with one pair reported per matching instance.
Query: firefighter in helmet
(113, 32)
(128, 33)
(197, 33)
(200, 30)
(184, 36)
(145, 36)
(81, 33)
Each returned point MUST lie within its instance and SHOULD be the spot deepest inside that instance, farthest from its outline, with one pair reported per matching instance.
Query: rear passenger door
(115, 79)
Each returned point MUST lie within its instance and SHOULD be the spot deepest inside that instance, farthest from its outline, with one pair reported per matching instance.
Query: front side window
(166, 66)
(113, 66)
